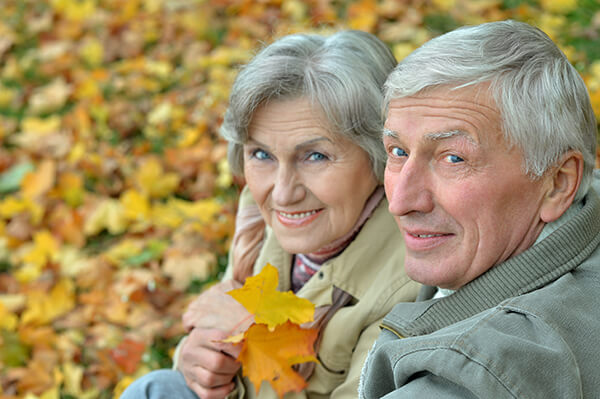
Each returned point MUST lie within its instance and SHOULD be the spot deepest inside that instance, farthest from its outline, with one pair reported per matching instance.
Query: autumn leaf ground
(116, 203)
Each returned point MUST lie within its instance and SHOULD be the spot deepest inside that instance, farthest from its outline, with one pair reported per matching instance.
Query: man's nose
(409, 189)
(288, 187)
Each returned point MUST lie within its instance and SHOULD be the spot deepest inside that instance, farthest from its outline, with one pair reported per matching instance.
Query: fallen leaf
(39, 182)
(184, 269)
(128, 355)
(8, 320)
(153, 181)
(10, 180)
(42, 307)
(108, 214)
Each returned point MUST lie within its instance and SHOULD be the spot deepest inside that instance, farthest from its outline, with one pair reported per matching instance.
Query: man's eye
(454, 159)
(398, 152)
(260, 154)
(316, 156)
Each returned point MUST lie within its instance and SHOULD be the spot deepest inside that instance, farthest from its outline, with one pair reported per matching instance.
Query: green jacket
(527, 328)
(371, 270)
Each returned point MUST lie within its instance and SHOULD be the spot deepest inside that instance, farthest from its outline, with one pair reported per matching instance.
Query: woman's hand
(214, 308)
(208, 364)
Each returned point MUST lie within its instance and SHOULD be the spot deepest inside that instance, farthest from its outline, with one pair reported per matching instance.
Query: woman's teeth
(428, 235)
(297, 215)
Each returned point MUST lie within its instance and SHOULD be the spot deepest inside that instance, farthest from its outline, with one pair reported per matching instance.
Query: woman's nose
(288, 187)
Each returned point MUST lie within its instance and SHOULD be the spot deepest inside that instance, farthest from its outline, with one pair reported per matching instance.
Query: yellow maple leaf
(153, 181)
(43, 307)
(269, 355)
(260, 297)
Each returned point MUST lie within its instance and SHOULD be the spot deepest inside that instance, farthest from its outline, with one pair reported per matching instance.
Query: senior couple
(472, 272)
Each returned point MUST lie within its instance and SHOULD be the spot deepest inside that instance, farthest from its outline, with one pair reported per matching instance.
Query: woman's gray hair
(545, 106)
(342, 75)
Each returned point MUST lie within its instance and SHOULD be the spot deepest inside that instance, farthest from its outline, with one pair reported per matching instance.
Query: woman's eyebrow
(256, 142)
(310, 142)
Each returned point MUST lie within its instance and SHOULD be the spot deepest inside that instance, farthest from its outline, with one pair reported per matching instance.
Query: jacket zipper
(390, 329)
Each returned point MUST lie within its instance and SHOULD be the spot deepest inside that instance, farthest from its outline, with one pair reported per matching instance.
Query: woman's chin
(298, 245)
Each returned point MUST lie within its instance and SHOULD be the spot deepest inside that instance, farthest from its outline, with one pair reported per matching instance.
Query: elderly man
(491, 141)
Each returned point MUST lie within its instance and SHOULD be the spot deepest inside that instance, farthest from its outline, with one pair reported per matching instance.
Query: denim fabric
(159, 384)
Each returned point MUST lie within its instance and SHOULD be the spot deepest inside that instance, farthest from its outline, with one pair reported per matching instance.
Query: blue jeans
(159, 384)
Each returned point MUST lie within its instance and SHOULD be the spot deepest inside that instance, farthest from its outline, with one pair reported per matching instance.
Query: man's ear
(563, 184)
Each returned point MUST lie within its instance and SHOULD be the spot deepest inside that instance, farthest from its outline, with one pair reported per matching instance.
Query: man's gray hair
(545, 106)
(342, 75)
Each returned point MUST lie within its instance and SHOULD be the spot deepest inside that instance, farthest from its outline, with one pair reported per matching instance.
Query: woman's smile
(298, 219)
(310, 184)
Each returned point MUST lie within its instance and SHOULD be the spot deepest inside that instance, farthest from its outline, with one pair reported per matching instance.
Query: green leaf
(13, 353)
(11, 179)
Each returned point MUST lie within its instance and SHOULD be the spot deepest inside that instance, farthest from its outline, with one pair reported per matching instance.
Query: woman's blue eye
(398, 152)
(454, 159)
(260, 154)
(316, 156)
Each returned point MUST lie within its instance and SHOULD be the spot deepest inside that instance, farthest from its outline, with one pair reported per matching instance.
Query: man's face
(455, 188)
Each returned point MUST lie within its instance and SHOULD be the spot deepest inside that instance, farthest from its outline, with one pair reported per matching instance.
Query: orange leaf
(260, 297)
(269, 355)
(128, 355)
(38, 183)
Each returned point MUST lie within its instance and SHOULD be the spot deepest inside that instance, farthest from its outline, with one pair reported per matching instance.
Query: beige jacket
(371, 270)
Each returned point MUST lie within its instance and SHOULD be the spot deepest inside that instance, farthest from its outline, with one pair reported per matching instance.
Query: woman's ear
(563, 182)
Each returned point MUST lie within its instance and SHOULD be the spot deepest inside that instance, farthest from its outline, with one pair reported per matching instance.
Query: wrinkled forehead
(445, 111)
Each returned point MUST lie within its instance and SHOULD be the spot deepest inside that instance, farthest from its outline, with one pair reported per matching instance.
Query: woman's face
(309, 184)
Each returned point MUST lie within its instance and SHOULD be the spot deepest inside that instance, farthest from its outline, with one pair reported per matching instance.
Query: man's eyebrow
(389, 133)
(436, 136)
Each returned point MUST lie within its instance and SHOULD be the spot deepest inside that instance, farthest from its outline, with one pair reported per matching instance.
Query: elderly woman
(304, 125)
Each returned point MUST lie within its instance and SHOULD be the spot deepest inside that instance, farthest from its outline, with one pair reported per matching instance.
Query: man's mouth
(427, 235)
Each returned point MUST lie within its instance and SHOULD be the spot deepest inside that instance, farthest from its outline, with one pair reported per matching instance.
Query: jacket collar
(557, 254)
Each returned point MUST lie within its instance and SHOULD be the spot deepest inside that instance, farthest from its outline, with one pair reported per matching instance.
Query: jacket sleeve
(427, 385)
(503, 353)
